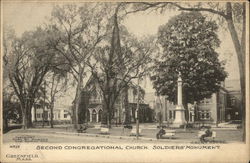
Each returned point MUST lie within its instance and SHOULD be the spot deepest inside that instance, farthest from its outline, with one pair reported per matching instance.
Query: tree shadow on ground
(9, 128)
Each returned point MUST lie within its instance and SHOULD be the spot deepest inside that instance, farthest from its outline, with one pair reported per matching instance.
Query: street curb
(140, 138)
(107, 136)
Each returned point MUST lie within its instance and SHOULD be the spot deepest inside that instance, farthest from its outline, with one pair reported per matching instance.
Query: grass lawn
(186, 136)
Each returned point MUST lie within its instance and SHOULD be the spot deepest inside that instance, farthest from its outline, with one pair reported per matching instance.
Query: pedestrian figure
(207, 133)
(160, 133)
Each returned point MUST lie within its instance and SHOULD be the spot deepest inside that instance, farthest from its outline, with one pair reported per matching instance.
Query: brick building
(223, 106)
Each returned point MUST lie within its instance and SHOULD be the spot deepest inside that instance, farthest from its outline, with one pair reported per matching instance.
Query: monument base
(179, 117)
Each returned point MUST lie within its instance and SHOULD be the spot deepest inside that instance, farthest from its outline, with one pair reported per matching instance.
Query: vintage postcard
(124, 81)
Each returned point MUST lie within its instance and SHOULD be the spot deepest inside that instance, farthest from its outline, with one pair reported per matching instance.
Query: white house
(58, 114)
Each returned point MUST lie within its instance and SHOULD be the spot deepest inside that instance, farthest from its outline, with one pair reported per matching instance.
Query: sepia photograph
(135, 81)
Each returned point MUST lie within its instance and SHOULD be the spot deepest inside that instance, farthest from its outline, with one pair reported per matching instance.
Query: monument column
(179, 110)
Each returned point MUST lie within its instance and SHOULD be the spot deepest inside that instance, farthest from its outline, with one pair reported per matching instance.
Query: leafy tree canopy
(188, 44)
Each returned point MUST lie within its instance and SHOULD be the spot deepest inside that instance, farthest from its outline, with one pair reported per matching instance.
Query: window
(38, 115)
(205, 115)
(202, 116)
(233, 101)
(65, 115)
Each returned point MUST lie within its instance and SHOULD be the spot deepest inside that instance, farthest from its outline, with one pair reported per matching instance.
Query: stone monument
(179, 110)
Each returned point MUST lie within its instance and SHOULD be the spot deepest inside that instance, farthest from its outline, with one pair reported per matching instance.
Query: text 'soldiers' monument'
(179, 110)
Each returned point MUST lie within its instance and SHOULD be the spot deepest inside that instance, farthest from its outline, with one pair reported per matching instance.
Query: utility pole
(137, 109)
(24, 111)
(161, 112)
(43, 115)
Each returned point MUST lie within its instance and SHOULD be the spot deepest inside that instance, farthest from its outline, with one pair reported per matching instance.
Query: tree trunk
(78, 97)
(24, 114)
(29, 117)
(240, 51)
(107, 115)
(51, 114)
(24, 120)
(185, 105)
(126, 107)
(43, 114)
(104, 114)
(137, 109)
(243, 46)
(5, 126)
(35, 114)
(196, 112)
(26, 106)
(109, 120)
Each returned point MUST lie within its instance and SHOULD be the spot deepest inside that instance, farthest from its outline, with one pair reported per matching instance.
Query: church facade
(92, 96)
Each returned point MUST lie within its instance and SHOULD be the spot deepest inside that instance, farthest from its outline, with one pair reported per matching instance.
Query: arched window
(94, 115)
(100, 116)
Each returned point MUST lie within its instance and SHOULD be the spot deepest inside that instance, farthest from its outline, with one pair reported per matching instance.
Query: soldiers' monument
(179, 110)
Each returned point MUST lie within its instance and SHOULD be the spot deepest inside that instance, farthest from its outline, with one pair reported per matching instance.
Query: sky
(24, 16)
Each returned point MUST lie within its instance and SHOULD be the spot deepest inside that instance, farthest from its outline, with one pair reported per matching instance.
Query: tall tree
(188, 42)
(27, 60)
(75, 32)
